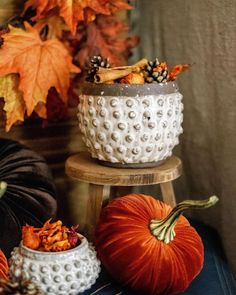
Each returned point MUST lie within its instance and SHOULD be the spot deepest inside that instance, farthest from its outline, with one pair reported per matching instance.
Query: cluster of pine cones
(19, 287)
(154, 71)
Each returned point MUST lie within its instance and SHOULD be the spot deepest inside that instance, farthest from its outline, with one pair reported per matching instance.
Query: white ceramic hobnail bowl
(62, 273)
(130, 125)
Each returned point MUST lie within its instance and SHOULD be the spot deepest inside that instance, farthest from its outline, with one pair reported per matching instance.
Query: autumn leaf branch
(39, 57)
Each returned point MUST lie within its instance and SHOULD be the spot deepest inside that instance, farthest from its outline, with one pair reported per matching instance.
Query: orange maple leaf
(40, 64)
(73, 11)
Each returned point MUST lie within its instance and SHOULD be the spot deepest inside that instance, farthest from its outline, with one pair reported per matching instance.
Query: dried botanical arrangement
(144, 71)
(43, 50)
(52, 237)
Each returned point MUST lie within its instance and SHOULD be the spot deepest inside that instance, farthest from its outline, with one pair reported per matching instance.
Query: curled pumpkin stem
(163, 229)
(3, 188)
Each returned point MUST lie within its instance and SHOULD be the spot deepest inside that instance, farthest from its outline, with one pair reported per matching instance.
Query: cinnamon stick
(140, 64)
(109, 75)
(135, 67)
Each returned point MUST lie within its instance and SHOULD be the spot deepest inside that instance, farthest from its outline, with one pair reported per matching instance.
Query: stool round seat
(84, 168)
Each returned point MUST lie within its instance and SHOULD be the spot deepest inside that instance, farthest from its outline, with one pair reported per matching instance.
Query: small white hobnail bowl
(63, 273)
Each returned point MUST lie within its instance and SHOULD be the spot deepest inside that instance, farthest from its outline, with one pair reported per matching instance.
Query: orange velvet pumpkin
(3, 266)
(148, 247)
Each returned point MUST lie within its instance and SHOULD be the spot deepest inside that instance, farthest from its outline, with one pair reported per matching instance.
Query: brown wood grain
(98, 195)
(82, 167)
(168, 194)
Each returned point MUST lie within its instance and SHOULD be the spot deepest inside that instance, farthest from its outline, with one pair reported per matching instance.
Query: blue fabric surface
(215, 278)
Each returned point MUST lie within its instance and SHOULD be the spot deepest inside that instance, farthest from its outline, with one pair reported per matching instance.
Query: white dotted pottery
(64, 273)
(130, 125)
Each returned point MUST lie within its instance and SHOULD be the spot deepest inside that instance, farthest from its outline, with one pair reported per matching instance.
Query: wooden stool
(101, 179)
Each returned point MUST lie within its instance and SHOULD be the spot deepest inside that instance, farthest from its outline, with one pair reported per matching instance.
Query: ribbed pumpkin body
(3, 266)
(30, 194)
(135, 257)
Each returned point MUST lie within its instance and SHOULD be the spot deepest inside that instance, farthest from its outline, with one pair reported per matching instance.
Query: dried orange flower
(52, 237)
(133, 78)
(30, 237)
(177, 69)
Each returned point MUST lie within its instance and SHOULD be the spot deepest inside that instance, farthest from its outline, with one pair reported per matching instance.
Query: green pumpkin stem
(163, 229)
(3, 188)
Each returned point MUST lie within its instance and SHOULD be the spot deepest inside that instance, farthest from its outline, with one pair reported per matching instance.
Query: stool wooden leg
(168, 194)
(98, 194)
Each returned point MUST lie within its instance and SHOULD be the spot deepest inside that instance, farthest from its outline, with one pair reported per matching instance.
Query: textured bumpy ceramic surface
(130, 123)
(62, 273)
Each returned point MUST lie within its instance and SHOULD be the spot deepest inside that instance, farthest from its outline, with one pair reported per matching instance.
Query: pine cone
(19, 287)
(96, 62)
(156, 72)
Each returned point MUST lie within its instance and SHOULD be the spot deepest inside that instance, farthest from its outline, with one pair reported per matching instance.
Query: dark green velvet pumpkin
(30, 193)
